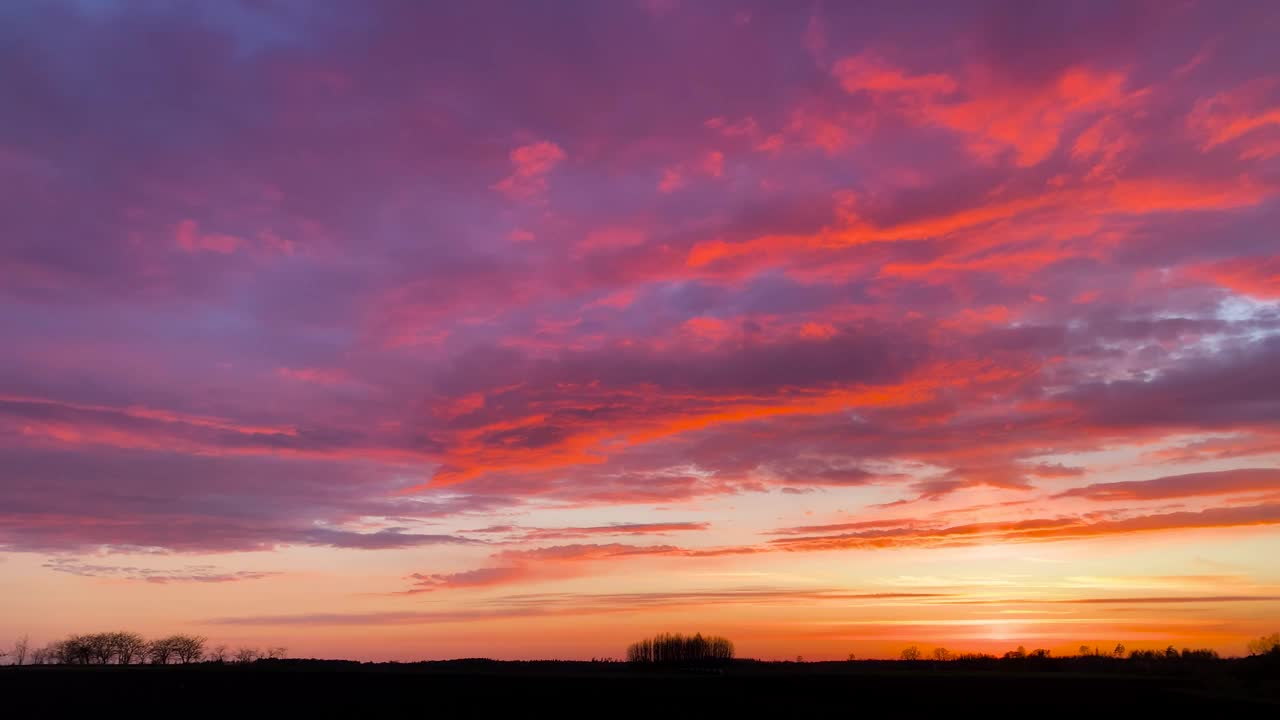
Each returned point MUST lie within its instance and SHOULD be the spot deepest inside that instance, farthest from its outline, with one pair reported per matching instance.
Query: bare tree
(277, 652)
(246, 655)
(179, 648)
(40, 656)
(218, 654)
(942, 654)
(20, 649)
(911, 653)
(160, 651)
(101, 648)
(1119, 651)
(74, 650)
(130, 647)
(1084, 650)
(60, 652)
(188, 648)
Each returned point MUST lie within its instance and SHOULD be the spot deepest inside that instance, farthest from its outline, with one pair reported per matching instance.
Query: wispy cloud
(183, 574)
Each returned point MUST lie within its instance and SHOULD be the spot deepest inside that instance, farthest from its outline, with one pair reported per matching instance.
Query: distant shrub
(1265, 644)
(669, 648)
(975, 657)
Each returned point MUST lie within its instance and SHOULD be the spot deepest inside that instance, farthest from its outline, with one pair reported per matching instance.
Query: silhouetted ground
(481, 688)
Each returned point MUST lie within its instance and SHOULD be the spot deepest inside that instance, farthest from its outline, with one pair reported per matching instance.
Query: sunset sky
(398, 330)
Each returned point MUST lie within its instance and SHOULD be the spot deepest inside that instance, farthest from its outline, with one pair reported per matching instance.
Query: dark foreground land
(480, 688)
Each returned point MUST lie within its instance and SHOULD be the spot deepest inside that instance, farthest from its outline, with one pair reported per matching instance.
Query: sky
(400, 330)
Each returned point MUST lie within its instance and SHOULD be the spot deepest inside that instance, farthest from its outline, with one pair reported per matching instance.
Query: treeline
(130, 648)
(1268, 645)
(671, 649)
(1169, 654)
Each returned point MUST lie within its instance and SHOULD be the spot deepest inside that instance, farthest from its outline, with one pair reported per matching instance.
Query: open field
(483, 688)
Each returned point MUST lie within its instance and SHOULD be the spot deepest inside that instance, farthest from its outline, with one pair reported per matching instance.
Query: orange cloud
(1259, 277)
(992, 117)
(478, 451)
(1045, 221)
(1034, 530)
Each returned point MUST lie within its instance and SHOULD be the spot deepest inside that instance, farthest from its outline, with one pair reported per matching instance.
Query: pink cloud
(531, 164)
(675, 177)
(190, 239)
(318, 376)
(1224, 482)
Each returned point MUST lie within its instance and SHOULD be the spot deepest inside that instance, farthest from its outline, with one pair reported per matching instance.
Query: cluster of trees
(668, 648)
(130, 648)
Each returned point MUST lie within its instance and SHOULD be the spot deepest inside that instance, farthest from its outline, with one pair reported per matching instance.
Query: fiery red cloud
(509, 295)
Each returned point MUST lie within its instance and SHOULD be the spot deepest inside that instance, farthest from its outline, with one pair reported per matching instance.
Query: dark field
(541, 689)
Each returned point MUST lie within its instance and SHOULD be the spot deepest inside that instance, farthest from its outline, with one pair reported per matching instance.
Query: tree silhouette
(130, 647)
(1265, 644)
(911, 653)
(160, 651)
(1018, 654)
(74, 650)
(667, 648)
(20, 649)
(188, 648)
